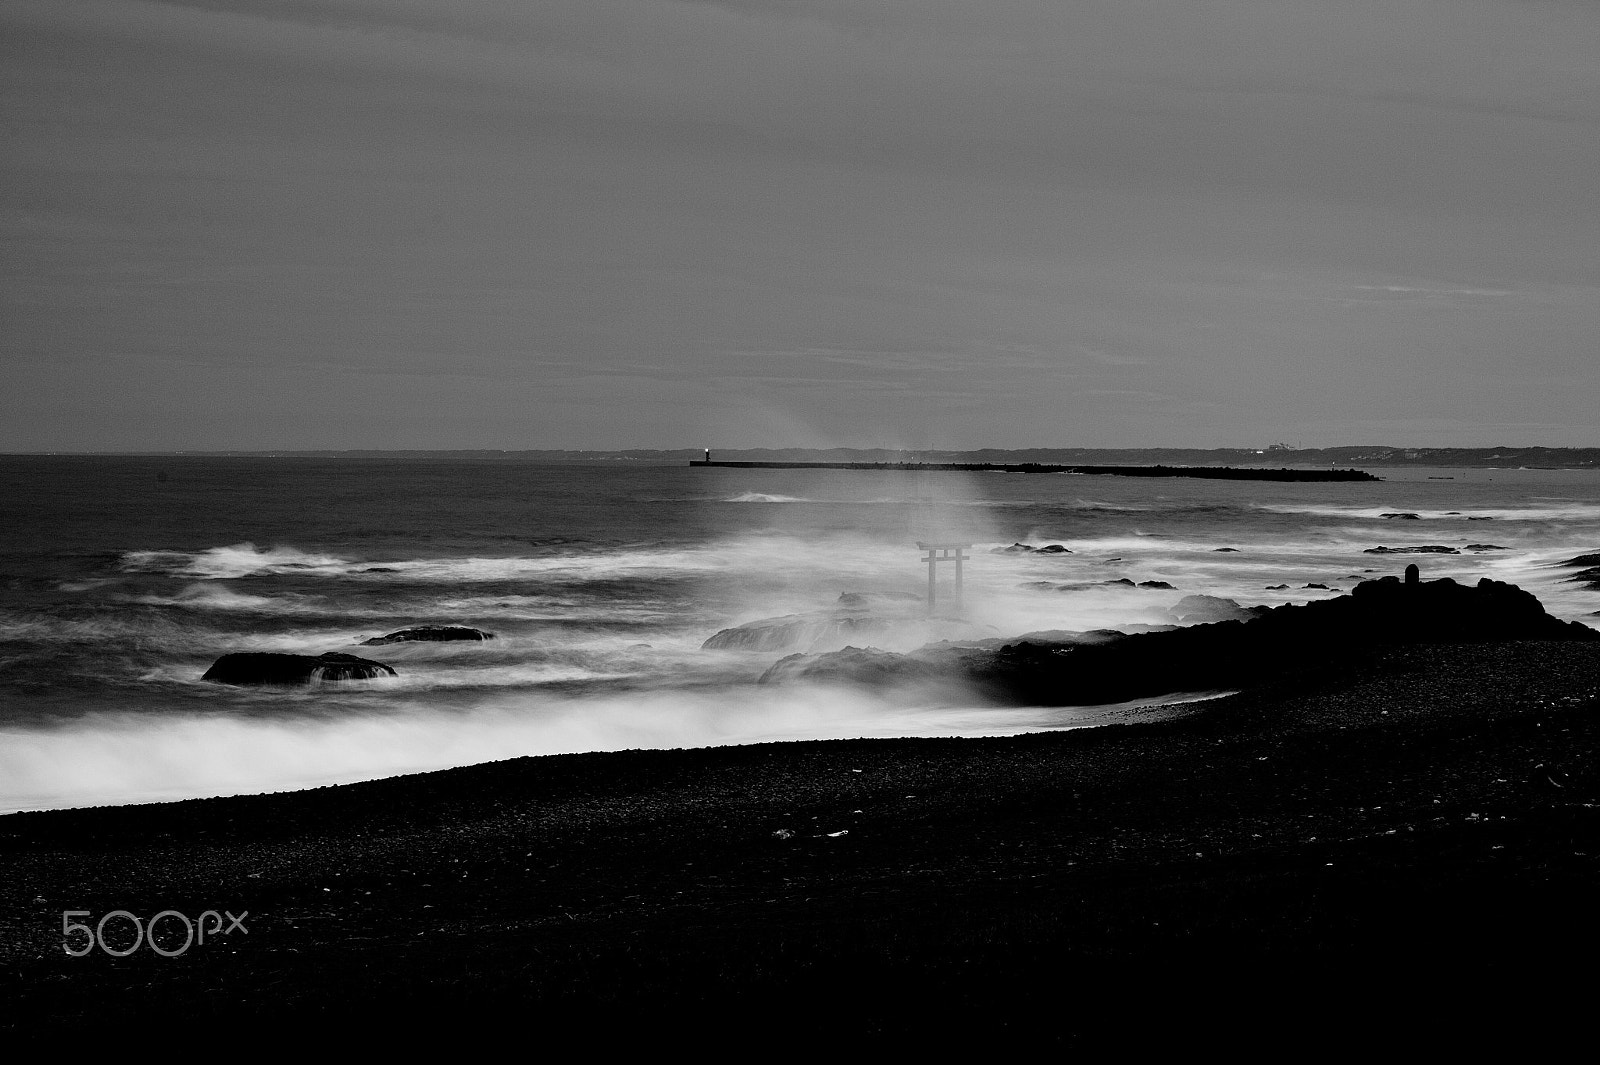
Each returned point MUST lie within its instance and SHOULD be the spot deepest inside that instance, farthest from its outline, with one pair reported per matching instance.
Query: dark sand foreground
(1404, 856)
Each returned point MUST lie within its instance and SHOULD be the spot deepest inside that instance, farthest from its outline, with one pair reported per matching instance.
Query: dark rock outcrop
(1429, 549)
(1582, 560)
(1408, 516)
(1484, 547)
(430, 634)
(251, 668)
(1316, 637)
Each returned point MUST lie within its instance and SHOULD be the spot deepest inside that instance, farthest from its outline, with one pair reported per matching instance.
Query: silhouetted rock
(1157, 584)
(1014, 549)
(430, 634)
(1430, 549)
(1484, 547)
(1319, 636)
(1225, 549)
(1053, 549)
(1582, 560)
(248, 668)
(1125, 582)
(1408, 516)
(1276, 587)
(1323, 587)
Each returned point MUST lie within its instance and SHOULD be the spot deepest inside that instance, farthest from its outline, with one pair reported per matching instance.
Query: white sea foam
(765, 497)
(119, 758)
(1553, 511)
(237, 560)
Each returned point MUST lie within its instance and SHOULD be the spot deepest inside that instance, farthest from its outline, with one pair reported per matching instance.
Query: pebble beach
(1407, 850)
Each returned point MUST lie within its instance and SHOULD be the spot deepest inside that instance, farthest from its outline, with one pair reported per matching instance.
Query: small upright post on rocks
(943, 552)
(1413, 574)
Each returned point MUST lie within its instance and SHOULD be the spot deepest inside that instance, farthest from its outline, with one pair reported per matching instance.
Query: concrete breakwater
(1224, 473)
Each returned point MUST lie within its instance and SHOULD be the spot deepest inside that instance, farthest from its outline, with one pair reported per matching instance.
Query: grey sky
(654, 223)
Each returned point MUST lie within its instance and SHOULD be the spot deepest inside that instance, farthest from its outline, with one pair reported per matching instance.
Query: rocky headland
(1255, 646)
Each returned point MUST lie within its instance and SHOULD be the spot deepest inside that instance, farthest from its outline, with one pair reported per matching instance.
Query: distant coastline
(1553, 458)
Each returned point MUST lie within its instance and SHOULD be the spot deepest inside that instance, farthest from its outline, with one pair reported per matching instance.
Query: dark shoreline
(1407, 851)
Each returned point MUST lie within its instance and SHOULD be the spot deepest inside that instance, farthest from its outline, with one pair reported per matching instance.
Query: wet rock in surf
(1589, 578)
(250, 668)
(1209, 609)
(795, 630)
(1429, 549)
(1408, 516)
(858, 665)
(867, 599)
(430, 634)
(1582, 560)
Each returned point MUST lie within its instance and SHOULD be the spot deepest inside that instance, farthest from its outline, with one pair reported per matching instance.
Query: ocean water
(122, 579)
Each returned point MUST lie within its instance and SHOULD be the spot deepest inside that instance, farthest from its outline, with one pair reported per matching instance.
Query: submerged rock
(430, 634)
(249, 668)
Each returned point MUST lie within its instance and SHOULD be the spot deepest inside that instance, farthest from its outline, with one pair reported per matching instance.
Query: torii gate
(938, 552)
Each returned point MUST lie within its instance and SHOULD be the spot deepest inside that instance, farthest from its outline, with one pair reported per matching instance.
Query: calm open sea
(122, 579)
